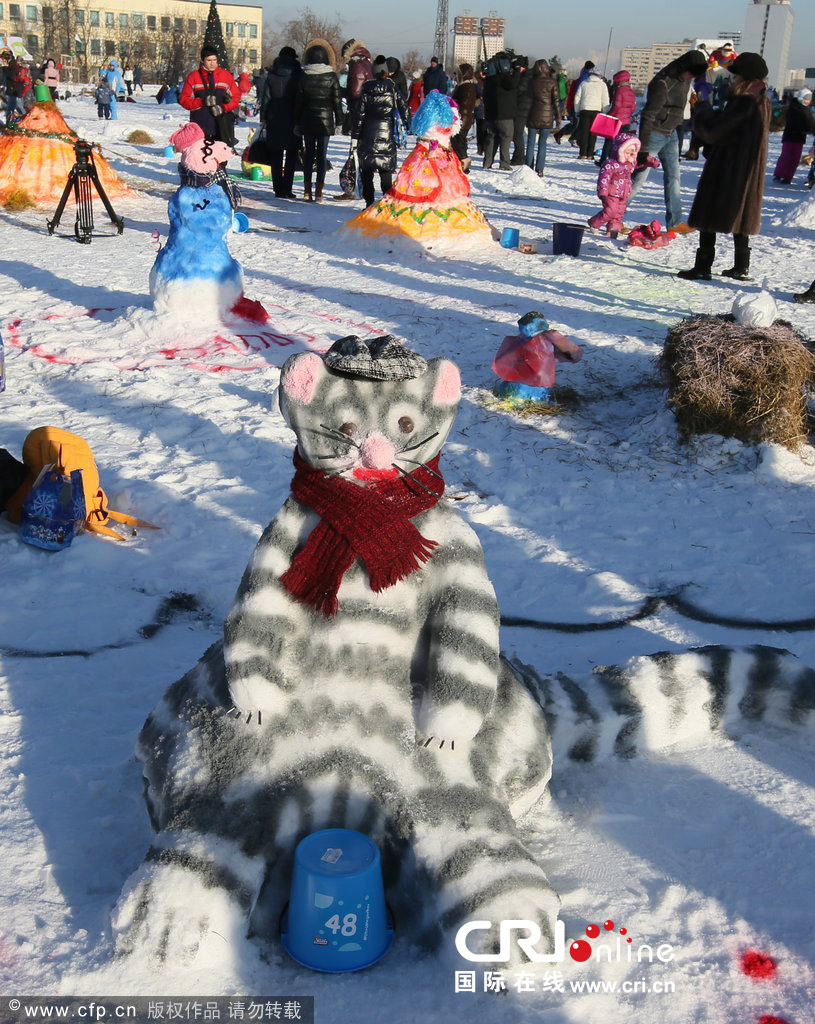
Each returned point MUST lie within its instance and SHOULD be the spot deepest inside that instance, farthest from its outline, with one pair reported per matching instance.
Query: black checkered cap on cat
(383, 358)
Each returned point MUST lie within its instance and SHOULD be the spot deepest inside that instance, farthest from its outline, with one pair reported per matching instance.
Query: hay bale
(140, 138)
(743, 382)
(19, 199)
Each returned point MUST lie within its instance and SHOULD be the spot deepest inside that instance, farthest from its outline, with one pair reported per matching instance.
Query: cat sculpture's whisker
(413, 479)
(415, 462)
(339, 435)
(331, 437)
(418, 444)
(342, 455)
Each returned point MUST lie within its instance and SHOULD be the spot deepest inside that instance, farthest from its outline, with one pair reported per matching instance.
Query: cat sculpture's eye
(349, 429)
(406, 425)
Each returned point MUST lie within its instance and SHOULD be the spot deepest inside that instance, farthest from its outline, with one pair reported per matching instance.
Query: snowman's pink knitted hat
(186, 136)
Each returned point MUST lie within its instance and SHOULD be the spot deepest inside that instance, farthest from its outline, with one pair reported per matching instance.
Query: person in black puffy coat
(500, 107)
(523, 103)
(317, 111)
(373, 130)
(278, 102)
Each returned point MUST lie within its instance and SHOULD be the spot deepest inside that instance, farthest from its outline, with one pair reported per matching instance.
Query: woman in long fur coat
(731, 188)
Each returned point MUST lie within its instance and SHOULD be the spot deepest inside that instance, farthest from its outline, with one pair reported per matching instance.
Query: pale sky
(568, 28)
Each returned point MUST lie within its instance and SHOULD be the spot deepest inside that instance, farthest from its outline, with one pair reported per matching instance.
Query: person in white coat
(591, 99)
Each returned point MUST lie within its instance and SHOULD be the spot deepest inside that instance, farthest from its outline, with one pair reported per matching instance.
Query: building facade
(469, 44)
(768, 31)
(644, 61)
(164, 37)
(709, 45)
(735, 39)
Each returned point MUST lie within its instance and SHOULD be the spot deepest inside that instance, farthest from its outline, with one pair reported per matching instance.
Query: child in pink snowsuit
(614, 183)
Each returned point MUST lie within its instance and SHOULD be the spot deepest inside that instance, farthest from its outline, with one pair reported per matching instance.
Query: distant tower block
(469, 45)
(768, 31)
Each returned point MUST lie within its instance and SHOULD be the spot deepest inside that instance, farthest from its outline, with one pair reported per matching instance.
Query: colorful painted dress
(429, 203)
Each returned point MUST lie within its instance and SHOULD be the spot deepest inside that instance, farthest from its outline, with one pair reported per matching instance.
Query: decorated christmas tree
(214, 35)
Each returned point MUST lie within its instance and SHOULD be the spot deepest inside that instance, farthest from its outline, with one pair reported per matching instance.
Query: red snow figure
(614, 183)
(650, 236)
(768, 1018)
(758, 966)
(525, 362)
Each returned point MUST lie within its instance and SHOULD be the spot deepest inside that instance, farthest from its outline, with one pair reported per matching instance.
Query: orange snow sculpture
(37, 154)
(430, 202)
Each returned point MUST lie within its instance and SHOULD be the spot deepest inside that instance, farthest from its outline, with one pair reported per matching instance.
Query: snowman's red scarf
(370, 522)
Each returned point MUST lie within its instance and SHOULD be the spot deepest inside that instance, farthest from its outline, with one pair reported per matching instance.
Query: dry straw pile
(139, 137)
(744, 382)
(19, 199)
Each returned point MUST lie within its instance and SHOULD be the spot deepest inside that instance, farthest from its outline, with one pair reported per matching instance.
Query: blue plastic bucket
(566, 239)
(240, 223)
(510, 238)
(169, 151)
(336, 919)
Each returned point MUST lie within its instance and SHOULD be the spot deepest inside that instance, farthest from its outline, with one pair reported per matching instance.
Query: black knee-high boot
(808, 295)
(705, 254)
(740, 269)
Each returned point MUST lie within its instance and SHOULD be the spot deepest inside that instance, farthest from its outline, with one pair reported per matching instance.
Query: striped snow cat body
(396, 716)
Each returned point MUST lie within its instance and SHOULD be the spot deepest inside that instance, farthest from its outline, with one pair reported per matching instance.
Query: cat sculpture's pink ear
(448, 384)
(301, 375)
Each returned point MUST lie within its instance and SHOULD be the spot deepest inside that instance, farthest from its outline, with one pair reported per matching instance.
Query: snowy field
(582, 517)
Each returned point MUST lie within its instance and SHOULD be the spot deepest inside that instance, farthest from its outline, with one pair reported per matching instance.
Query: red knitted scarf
(370, 522)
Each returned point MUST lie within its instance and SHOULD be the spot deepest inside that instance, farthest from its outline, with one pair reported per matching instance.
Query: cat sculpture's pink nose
(377, 452)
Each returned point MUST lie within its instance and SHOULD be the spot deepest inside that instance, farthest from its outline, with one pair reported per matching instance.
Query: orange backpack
(51, 445)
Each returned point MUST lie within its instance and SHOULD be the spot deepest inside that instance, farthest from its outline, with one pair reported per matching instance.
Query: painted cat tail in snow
(670, 699)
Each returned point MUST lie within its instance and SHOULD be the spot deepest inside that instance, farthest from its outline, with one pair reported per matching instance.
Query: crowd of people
(18, 80)
(371, 99)
(720, 100)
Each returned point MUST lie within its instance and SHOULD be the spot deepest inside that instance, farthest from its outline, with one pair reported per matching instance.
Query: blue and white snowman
(195, 275)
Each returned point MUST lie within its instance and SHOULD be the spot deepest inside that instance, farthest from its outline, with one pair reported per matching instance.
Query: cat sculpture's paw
(166, 913)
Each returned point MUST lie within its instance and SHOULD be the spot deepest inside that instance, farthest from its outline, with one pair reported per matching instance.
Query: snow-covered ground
(582, 517)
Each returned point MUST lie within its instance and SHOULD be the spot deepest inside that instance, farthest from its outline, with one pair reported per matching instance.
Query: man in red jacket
(209, 93)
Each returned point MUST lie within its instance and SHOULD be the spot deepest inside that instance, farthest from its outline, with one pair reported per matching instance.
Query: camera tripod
(80, 178)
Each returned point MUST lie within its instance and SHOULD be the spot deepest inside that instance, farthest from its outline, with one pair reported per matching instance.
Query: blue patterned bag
(53, 511)
(400, 131)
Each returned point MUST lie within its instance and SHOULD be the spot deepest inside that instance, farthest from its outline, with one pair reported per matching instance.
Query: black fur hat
(749, 65)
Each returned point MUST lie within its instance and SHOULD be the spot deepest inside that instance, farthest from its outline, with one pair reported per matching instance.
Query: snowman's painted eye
(406, 425)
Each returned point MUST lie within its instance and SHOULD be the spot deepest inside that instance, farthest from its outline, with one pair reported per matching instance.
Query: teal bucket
(336, 919)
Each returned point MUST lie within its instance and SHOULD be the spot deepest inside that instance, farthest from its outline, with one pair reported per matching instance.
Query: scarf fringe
(318, 591)
(395, 574)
